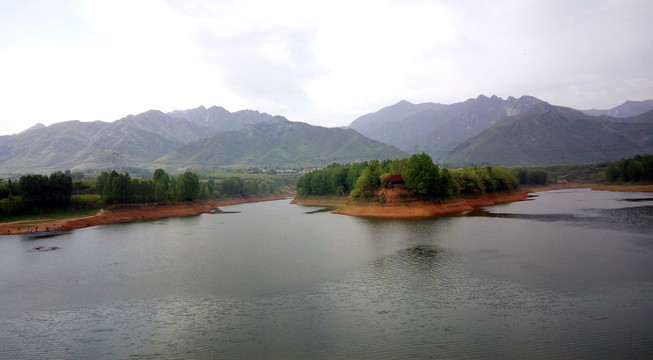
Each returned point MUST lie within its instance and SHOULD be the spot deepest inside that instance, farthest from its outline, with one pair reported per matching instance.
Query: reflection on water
(271, 281)
(603, 209)
(43, 248)
(631, 219)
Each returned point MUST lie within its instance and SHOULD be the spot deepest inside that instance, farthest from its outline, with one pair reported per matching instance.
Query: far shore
(123, 214)
(341, 205)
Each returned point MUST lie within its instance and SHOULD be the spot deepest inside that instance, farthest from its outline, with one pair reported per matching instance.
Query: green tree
(189, 186)
(173, 190)
(422, 176)
(232, 186)
(319, 184)
(304, 185)
(60, 190)
(369, 181)
(612, 173)
(504, 179)
(32, 191)
(210, 188)
(397, 166)
(161, 185)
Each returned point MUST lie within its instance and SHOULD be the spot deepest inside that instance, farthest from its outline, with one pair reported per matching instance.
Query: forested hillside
(279, 143)
(557, 136)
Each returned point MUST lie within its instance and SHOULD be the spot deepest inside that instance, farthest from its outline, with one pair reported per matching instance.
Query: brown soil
(121, 214)
(401, 206)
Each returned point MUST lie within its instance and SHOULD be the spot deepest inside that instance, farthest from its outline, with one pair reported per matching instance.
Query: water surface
(566, 274)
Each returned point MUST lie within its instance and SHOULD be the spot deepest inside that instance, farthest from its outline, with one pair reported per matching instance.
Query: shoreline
(417, 209)
(340, 205)
(413, 209)
(124, 214)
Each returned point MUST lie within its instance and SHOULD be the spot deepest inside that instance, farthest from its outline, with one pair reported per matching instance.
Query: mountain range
(515, 131)
(208, 138)
(482, 130)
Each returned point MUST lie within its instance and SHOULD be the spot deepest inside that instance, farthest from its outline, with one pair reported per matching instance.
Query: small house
(396, 179)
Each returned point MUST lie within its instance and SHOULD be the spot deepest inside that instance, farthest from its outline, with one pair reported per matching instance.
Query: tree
(60, 190)
(159, 175)
(189, 186)
(422, 176)
(32, 190)
(173, 190)
(161, 185)
(41, 192)
(612, 173)
(504, 179)
(232, 186)
(369, 181)
(397, 166)
(210, 188)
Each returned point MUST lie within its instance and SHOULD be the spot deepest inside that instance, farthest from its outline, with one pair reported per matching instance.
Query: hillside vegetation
(157, 140)
(557, 136)
(515, 131)
(279, 143)
(417, 174)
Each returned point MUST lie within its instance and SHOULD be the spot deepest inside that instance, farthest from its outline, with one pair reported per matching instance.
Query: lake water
(568, 274)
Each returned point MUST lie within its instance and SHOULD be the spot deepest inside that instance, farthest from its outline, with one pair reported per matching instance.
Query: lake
(567, 274)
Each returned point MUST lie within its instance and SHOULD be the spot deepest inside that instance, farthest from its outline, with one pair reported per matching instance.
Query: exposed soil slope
(400, 205)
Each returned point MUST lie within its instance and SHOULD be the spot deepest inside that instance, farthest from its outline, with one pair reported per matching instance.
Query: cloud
(325, 63)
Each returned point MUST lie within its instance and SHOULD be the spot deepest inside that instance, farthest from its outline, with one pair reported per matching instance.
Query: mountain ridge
(144, 140)
(626, 110)
(433, 127)
(556, 136)
(281, 143)
(515, 130)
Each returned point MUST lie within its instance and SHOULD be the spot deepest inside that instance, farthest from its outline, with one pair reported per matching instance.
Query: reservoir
(566, 274)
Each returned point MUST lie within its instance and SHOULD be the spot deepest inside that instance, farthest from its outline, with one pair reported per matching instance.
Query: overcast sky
(325, 63)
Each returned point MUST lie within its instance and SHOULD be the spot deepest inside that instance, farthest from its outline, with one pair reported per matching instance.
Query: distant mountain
(437, 128)
(135, 140)
(53, 147)
(628, 109)
(164, 125)
(484, 130)
(280, 143)
(220, 119)
(154, 139)
(555, 135)
(35, 127)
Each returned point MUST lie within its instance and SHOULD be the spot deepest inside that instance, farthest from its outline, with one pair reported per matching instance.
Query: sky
(321, 62)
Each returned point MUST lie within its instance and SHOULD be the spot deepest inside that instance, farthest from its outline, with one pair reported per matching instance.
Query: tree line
(35, 193)
(418, 174)
(119, 188)
(636, 169)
